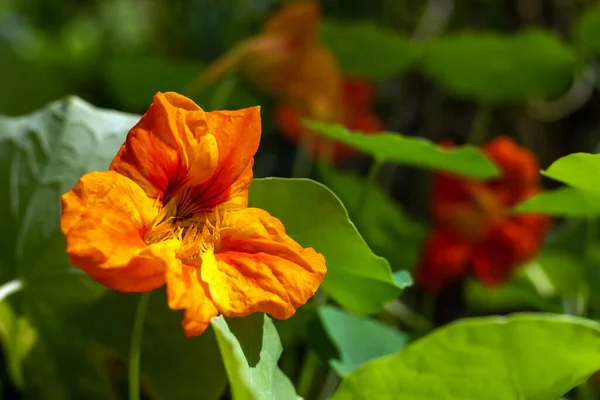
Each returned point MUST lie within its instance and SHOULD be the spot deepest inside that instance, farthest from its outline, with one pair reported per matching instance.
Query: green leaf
(562, 202)
(368, 50)
(27, 84)
(511, 296)
(134, 81)
(172, 365)
(358, 339)
(525, 356)
(580, 170)
(71, 322)
(403, 279)
(414, 151)
(587, 30)
(42, 155)
(356, 278)
(251, 349)
(488, 67)
(381, 221)
(564, 270)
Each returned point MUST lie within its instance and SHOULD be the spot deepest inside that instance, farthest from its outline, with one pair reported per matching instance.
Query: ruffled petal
(104, 218)
(238, 137)
(446, 258)
(186, 292)
(257, 267)
(190, 160)
(168, 148)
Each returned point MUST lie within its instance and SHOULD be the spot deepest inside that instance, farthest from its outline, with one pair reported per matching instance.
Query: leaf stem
(9, 288)
(307, 374)
(223, 92)
(419, 324)
(480, 124)
(135, 346)
(331, 382)
(370, 181)
(302, 161)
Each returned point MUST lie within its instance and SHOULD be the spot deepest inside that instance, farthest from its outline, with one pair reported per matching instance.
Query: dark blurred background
(118, 53)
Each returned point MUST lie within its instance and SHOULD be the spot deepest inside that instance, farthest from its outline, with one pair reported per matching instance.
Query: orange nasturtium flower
(285, 60)
(356, 115)
(474, 229)
(173, 208)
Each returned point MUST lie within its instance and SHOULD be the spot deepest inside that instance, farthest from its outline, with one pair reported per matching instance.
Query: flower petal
(445, 259)
(238, 136)
(186, 291)
(520, 169)
(257, 267)
(169, 147)
(190, 160)
(508, 245)
(104, 218)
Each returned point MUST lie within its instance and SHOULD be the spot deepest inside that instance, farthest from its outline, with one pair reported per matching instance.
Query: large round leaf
(67, 321)
(365, 49)
(383, 223)
(488, 67)
(527, 356)
(356, 278)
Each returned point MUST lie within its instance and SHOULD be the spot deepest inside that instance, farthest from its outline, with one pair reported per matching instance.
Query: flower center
(195, 236)
(475, 218)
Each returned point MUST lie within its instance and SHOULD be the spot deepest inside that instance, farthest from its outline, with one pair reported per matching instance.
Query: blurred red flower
(473, 226)
(355, 114)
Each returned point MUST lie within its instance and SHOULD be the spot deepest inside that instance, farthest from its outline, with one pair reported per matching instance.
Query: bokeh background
(442, 69)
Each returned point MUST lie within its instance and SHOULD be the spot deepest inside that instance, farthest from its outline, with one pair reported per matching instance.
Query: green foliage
(251, 349)
(356, 278)
(580, 170)
(25, 84)
(514, 295)
(414, 151)
(527, 356)
(563, 202)
(587, 31)
(493, 68)
(63, 321)
(381, 221)
(134, 81)
(358, 339)
(369, 50)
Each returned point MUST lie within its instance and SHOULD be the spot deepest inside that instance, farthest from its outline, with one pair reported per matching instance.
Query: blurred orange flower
(173, 208)
(286, 60)
(356, 115)
(473, 225)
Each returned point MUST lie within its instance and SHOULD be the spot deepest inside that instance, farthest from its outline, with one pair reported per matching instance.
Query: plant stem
(370, 180)
(135, 346)
(302, 161)
(222, 93)
(329, 386)
(9, 288)
(480, 125)
(307, 374)
(428, 307)
(419, 324)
